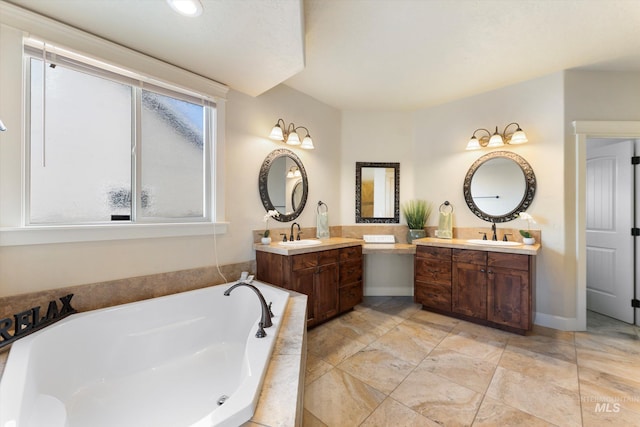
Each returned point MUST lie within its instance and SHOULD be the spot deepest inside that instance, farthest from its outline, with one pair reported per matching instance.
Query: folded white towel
(322, 225)
(445, 225)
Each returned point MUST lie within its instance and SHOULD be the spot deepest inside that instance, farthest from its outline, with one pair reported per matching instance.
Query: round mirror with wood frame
(278, 190)
(498, 186)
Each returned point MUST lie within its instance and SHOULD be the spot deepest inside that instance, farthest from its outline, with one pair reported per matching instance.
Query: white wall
(373, 137)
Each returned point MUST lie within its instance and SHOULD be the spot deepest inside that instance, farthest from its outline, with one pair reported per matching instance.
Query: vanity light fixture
(289, 134)
(2, 126)
(294, 172)
(497, 139)
(190, 8)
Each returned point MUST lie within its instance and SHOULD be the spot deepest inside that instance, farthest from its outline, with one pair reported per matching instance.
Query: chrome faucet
(265, 320)
(493, 230)
(291, 236)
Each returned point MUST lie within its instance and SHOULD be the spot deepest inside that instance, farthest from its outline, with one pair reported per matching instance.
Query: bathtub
(189, 359)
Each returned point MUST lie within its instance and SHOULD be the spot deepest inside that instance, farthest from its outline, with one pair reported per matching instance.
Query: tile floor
(389, 363)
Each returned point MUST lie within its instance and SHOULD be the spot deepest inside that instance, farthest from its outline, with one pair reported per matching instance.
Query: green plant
(417, 213)
(526, 233)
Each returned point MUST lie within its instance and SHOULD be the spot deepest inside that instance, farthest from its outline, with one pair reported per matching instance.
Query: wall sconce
(497, 139)
(294, 172)
(289, 134)
(2, 126)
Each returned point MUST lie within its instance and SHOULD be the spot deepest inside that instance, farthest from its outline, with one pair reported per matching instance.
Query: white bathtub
(160, 362)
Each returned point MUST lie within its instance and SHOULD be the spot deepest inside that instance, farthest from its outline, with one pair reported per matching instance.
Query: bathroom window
(105, 146)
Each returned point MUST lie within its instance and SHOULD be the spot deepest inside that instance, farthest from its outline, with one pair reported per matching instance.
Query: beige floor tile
(378, 368)
(541, 367)
(408, 342)
(535, 382)
(493, 413)
(392, 413)
(475, 343)
(316, 367)
(597, 387)
(624, 345)
(310, 420)
(558, 348)
(332, 347)
(625, 366)
(364, 326)
(567, 336)
(466, 371)
(609, 415)
(438, 399)
(339, 399)
(400, 307)
(554, 404)
(434, 320)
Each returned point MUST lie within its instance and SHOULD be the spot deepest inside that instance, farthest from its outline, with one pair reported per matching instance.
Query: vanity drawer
(302, 261)
(350, 296)
(512, 261)
(352, 252)
(328, 257)
(433, 271)
(469, 256)
(350, 271)
(434, 295)
(433, 253)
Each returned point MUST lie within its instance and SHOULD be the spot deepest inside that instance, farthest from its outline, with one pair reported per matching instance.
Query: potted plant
(416, 213)
(527, 238)
(266, 235)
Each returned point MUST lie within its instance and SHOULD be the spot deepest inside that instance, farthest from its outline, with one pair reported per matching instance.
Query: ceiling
(369, 54)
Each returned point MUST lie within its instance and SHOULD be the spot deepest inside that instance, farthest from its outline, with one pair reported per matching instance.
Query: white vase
(266, 240)
(528, 240)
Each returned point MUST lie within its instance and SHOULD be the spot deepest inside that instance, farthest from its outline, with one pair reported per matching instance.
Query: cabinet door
(325, 292)
(509, 297)
(469, 290)
(302, 281)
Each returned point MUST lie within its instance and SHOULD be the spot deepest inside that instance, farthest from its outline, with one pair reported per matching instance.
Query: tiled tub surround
(162, 361)
(282, 386)
(115, 292)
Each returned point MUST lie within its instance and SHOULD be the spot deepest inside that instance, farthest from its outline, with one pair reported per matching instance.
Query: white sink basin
(492, 242)
(301, 243)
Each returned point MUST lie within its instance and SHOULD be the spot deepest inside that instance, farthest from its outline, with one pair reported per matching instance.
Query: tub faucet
(291, 236)
(493, 230)
(265, 320)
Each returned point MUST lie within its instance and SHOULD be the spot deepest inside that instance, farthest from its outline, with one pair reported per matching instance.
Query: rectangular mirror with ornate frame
(377, 192)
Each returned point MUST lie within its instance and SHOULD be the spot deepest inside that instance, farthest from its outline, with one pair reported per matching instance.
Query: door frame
(584, 130)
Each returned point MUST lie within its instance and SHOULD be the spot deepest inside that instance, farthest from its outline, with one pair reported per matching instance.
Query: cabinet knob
(482, 270)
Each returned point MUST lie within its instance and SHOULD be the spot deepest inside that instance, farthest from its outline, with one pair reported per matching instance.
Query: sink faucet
(291, 236)
(493, 230)
(265, 320)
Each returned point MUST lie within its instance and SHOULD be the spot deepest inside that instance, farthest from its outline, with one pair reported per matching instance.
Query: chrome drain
(222, 399)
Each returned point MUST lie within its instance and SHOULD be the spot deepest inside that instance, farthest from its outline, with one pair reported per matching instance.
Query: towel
(445, 225)
(322, 225)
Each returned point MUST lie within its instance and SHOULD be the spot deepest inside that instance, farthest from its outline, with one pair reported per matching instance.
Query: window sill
(16, 236)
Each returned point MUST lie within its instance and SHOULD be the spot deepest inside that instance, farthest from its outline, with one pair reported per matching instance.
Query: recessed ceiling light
(190, 8)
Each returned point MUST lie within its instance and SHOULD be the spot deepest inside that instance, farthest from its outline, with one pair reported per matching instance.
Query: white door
(610, 199)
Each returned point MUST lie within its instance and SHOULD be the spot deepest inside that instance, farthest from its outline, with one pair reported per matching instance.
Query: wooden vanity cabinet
(351, 288)
(432, 277)
(332, 279)
(469, 289)
(492, 288)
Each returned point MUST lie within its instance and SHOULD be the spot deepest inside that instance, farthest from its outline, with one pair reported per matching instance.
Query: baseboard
(388, 291)
(557, 322)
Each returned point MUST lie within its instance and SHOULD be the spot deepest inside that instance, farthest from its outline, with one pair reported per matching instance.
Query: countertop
(326, 244)
(464, 244)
